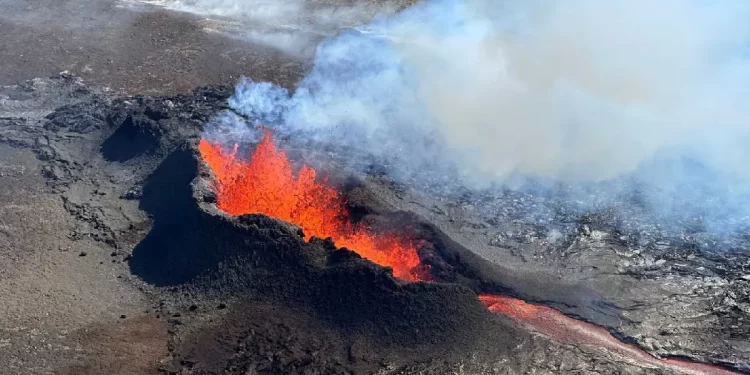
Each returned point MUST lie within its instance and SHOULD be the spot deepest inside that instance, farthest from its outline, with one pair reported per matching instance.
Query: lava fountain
(265, 184)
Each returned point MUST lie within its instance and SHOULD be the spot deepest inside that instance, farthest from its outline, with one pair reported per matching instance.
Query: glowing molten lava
(564, 329)
(266, 185)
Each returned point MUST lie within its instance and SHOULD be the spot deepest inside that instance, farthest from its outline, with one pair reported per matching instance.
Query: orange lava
(265, 184)
(564, 329)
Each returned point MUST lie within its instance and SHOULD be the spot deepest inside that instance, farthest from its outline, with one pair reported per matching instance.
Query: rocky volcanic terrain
(114, 258)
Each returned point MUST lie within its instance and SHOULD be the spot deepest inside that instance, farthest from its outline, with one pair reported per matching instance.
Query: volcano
(137, 239)
(271, 257)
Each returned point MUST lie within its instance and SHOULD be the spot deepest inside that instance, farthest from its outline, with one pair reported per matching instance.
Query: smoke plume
(617, 94)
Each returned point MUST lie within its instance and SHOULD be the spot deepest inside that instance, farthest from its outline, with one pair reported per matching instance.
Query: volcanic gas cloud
(265, 184)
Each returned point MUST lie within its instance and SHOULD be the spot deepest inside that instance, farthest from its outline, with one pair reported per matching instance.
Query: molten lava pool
(266, 184)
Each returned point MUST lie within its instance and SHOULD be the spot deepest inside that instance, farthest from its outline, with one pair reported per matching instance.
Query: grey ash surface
(677, 294)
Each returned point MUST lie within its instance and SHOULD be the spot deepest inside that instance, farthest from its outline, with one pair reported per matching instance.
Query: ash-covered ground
(115, 260)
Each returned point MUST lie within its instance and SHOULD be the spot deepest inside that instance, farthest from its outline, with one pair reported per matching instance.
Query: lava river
(265, 184)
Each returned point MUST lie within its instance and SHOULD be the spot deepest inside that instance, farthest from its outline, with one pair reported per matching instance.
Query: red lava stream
(558, 326)
(265, 184)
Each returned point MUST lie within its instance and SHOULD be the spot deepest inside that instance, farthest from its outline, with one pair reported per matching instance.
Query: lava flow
(265, 184)
(564, 329)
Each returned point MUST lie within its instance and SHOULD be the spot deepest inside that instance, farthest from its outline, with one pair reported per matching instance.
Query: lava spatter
(265, 184)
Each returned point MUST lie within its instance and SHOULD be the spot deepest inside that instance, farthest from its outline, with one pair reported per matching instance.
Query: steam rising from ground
(292, 26)
(622, 95)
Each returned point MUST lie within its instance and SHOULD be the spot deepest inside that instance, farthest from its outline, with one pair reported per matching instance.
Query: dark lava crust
(247, 295)
(194, 245)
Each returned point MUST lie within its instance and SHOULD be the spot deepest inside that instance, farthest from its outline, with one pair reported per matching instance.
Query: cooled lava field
(134, 240)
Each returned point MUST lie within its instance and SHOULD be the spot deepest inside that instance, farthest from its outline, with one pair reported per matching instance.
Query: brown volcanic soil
(113, 259)
(141, 51)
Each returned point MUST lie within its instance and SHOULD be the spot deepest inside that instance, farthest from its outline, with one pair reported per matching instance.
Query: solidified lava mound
(205, 252)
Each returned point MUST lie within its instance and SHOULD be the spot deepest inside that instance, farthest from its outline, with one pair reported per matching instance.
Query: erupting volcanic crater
(327, 245)
(265, 184)
(290, 244)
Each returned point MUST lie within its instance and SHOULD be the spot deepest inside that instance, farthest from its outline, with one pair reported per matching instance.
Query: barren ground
(141, 50)
(67, 305)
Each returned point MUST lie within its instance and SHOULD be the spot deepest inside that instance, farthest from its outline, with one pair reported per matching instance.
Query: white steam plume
(577, 91)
